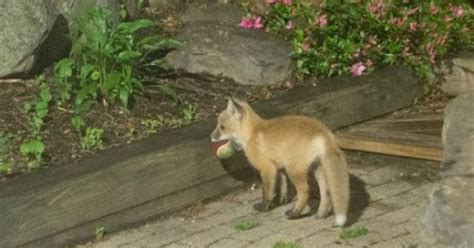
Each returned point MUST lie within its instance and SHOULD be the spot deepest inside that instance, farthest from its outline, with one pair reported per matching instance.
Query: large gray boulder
(24, 26)
(449, 217)
(457, 74)
(216, 45)
(71, 8)
(34, 33)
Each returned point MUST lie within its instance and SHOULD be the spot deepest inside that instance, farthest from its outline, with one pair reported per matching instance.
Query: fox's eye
(222, 127)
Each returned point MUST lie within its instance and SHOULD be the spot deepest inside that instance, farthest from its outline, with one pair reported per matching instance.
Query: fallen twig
(11, 81)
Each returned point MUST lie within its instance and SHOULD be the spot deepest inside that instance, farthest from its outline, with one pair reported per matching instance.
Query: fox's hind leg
(325, 205)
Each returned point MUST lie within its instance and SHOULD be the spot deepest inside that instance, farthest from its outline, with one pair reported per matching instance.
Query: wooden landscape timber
(134, 183)
(415, 136)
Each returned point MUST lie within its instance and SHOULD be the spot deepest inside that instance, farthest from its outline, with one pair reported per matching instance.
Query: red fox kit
(292, 143)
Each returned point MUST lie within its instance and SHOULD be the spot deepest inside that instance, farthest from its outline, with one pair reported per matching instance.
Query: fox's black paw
(292, 215)
(264, 206)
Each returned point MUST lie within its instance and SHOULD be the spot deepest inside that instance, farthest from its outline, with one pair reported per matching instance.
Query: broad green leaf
(63, 68)
(41, 109)
(45, 95)
(86, 70)
(127, 55)
(34, 146)
(124, 95)
(78, 122)
(95, 75)
(113, 80)
(131, 27)
(155, 43)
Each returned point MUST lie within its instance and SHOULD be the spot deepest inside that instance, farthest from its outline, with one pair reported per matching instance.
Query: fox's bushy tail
(337, 175)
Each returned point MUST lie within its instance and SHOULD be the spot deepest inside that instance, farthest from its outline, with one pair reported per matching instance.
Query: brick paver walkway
(388, 198)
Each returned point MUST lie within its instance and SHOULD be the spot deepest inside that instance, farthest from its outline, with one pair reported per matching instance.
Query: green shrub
(104, 60)
(337, 37)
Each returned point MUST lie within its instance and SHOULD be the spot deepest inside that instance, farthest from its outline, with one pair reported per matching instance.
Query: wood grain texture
(417, 136)
(126, 185)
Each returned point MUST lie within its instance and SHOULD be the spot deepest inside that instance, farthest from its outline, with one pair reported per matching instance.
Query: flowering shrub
(332, 37)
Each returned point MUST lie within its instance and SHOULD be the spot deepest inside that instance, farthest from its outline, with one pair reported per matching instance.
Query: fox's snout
(216, 135)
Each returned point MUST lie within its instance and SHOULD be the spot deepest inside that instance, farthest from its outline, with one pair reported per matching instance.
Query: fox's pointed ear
(234, 108)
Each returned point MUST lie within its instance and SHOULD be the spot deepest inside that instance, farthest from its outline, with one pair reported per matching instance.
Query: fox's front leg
(268, 175)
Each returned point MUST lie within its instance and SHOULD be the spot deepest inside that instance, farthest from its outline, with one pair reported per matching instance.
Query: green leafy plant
(284, 244)
(78, 123)
(169, 92)
(92, 139)
(99, 232)
(189, 112)
(151, 125)
(37, 109)
(335, 37)
(33, 148)
(104, 60)
(352, 232)
(245, 225)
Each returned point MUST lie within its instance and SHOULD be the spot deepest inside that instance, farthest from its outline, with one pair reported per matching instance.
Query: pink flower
(257, 22)
(323, 21)
(287, 2)
(432, 52)
(357, 69)
(271, 1)
(246, 23)
(289, 25)
(377, 7)
(306, 45)
(447, 19)
(398, 21)
(251, 22)
(413, 26)
(412, 11)
(457, 11)
(434, 8)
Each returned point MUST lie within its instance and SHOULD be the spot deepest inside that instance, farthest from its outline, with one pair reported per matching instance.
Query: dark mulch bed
(151, 112)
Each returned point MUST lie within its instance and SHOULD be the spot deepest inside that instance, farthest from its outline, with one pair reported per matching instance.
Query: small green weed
(78, 123)
(34, 149)
(5, 166)
(245, 225)
(92, 139)
(352, 232)
(99, 232)
(284, 244)
(37, 109)
(151, 125)
(168, 120)
(189, 112)
(5, 142)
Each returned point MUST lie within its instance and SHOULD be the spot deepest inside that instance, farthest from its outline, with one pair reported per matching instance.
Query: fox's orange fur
(292, 143)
